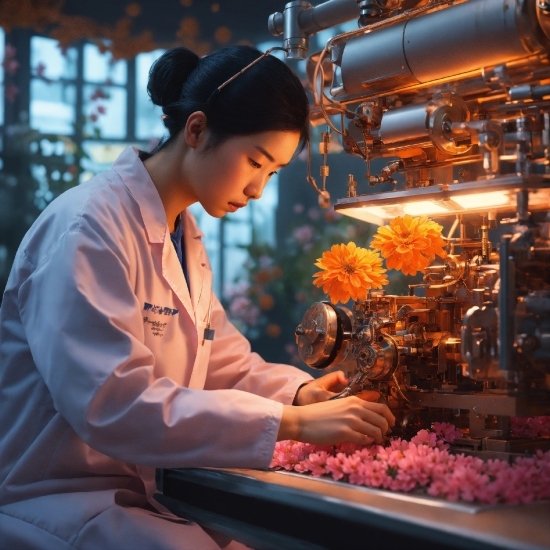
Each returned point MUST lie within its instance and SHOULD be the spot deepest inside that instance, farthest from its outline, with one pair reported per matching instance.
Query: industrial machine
(456, 96)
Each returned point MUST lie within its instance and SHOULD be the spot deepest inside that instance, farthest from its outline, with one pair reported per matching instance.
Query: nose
(255, 188)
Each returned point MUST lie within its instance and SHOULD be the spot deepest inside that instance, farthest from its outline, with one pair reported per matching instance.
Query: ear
(195, 129)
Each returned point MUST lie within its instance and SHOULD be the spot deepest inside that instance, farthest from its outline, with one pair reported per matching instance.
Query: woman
(116, 357)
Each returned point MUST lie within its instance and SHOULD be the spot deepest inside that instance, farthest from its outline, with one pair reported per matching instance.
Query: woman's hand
(347, 420)
(322, 389)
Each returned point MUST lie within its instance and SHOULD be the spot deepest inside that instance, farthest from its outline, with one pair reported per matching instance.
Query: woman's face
(225, 178)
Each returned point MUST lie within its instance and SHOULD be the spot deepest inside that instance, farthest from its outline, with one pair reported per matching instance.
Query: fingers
(342, 379)
(343, 420)
(366, 422)
(333, 381)
(381, 409)
(376, 419)
(321, 389)
(358, 438)
(369, 395)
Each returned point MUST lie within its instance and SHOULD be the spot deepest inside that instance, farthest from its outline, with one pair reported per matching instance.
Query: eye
(272, 174)
(254, 163)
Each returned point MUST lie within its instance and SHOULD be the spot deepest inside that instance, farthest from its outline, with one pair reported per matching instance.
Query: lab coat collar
(190, 226)
(136, 178)
(139, 183)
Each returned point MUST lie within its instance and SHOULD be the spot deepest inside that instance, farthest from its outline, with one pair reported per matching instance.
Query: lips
(234, 206)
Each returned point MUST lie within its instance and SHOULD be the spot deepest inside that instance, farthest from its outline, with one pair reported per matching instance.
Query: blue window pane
(148, 122)
(263, 212)
(105, 111)
(2, 40)
(235, 258)
(52, 107)
(237, 233)
(100, 67)
(100, 157)
(48, 62)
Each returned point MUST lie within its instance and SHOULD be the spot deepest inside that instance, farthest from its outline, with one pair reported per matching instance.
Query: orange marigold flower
(348, 271)
(262, 276)
(266, 302)
(133, 9)
(273, 330)
(409, 243)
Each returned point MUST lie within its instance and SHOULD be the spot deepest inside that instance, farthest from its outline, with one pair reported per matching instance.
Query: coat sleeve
(233, 365)
(85, 332)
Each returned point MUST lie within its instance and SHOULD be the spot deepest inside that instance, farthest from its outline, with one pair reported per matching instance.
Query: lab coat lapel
(200, 281)
(139, 183)
(200, 275)
(172, 272)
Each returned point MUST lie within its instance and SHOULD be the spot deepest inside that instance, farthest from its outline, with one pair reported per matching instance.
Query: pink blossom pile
(423, 465)
(536, 426)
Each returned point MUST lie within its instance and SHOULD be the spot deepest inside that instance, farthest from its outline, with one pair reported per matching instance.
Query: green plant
(36, 168)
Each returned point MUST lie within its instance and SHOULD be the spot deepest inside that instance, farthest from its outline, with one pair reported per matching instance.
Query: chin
(216, 212)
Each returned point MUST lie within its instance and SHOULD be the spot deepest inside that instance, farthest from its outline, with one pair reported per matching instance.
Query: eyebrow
(267, 155)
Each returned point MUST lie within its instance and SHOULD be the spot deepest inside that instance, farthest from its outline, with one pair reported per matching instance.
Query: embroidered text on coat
(160, 310)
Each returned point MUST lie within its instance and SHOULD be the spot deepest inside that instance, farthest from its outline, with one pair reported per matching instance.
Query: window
(2, 54)
(148, 122)
(53, 87)
(90, 107)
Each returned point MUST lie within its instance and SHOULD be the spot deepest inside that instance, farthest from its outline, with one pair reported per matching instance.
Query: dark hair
(266, 97)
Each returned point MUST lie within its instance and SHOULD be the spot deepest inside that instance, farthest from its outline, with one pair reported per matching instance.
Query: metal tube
(300, 20)
(506, 306)
(328, 14)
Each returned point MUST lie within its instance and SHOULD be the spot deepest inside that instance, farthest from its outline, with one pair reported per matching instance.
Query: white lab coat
(103, 372)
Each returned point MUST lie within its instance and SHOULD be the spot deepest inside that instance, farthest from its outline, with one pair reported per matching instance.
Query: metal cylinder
(405, 124)
(506, 305)
(425, 124)
(459, 39)
(328, 14)
(376, 62)
(295, 39)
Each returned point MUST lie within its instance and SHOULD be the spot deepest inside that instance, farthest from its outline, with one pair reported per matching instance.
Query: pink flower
(424, 437)
(375, 474)
(424, 463)
(289, 454)
(99, 93)
(303, 234)
(335, 466)
(330, 215)
(40, 72)
(265, 261)
(10, 63)
(316, 463)
(11, 91)
(445, 431)
(537, 426)
(242, 308)
(231, 290)
(314, 213)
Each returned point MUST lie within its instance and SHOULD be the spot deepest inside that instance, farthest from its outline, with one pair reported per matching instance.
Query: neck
(164, 168)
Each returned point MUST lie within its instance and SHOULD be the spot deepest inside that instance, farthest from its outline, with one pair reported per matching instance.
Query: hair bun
(168, 73)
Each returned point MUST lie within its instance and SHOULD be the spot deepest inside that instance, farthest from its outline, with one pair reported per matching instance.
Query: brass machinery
(456, 95)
